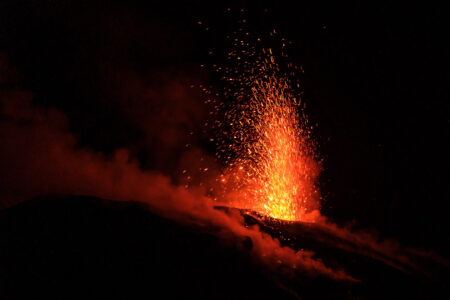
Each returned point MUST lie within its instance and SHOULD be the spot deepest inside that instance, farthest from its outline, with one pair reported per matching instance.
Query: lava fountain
(282, 176)
(273, 169)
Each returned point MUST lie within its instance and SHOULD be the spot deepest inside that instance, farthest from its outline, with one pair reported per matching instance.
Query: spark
(265, 139)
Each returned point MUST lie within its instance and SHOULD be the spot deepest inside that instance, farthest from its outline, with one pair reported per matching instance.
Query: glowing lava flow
(273, 168)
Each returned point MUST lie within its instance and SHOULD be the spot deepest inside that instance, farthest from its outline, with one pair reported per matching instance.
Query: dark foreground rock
(84, 248)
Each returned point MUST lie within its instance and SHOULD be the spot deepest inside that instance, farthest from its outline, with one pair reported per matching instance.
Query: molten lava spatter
(280, 163)
(275, 152)
(266, 142)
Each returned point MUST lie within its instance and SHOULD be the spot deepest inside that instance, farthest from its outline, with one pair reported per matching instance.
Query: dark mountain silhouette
(83, 247)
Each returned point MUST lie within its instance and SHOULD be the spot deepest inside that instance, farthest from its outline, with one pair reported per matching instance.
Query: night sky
(375, 81)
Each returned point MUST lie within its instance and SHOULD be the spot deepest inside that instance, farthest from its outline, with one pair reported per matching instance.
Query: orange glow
(281, 173)
(273, 166)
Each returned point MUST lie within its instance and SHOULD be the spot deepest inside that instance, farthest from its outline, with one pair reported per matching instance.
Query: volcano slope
(82, 247)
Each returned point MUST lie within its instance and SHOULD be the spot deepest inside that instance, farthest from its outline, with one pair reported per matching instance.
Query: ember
(273, 169)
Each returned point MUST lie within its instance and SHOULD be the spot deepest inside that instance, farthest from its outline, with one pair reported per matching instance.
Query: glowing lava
(281, 177)
(272, 168)
(263, 136)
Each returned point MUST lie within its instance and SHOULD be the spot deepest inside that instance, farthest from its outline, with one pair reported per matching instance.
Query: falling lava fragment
(273, 169)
